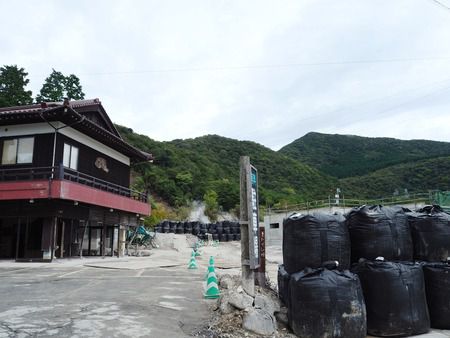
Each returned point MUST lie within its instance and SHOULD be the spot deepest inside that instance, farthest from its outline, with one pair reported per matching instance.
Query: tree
(57, 86)
(74, 90)
(211, 205)
(12, 87)
(227, 193)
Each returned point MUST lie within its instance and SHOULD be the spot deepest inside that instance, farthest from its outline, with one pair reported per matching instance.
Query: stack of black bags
(324, 299)
(222, 231)
(398, 259)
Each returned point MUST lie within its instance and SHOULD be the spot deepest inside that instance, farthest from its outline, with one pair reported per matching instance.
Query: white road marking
(139, 273)
(70, 273)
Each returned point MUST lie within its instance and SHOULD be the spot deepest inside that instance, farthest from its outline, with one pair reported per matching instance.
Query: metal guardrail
(354, 202)
(62, 173)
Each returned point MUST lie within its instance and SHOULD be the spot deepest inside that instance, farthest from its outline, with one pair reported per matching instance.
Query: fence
(418, 198)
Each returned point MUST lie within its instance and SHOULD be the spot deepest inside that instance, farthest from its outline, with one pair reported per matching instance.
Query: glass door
(95, 241)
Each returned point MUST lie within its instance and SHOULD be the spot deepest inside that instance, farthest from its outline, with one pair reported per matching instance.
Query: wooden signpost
(249, 220)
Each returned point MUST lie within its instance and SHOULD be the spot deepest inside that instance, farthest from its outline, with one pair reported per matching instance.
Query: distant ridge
(310, 168)
(406, 178)
(348, 155)
(186, 169)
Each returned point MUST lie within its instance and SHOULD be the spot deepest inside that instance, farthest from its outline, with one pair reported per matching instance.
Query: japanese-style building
(65, 182)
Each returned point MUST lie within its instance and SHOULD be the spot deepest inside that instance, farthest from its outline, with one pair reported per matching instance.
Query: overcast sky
(266, 71)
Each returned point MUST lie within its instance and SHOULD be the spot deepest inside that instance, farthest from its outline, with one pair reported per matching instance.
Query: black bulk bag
(188, 227)
(203, 229)
(395, 298)
(430, 229)
(166, 227)
(236, 229)
(310, 240)
(212, 228)
(195, 228)
(437, 286)
(179, 228)
(379, 231)
(283, 284)
(219, 228)
(326, 303)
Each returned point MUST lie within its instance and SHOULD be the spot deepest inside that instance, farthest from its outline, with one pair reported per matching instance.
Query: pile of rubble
(237, 314)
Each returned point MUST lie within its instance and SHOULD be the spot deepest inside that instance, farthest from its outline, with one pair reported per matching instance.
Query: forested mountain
(187, 169)
(348, 155)
(416, 176)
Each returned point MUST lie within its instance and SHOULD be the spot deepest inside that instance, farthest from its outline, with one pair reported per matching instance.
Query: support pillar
(55, 224)
(61, 249)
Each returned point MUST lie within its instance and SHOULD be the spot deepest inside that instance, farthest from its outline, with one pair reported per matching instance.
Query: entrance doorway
(8, 237)
(100, 240)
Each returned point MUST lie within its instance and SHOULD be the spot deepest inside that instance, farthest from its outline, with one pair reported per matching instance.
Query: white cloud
(178, 69)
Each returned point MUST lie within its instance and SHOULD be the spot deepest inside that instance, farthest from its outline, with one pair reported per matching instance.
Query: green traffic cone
(211, 260)
(209, 270)
(192, 263)
(212, 287)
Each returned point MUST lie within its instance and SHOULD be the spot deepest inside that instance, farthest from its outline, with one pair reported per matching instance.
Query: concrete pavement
(154, 296)
(60, 300)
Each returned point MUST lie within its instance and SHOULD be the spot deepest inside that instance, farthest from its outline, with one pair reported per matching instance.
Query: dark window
(274, 225)
(18, 150)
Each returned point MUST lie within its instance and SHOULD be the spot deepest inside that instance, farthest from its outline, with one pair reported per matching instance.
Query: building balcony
(64, 183)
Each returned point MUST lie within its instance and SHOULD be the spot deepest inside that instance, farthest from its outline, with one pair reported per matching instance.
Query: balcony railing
(62, 173)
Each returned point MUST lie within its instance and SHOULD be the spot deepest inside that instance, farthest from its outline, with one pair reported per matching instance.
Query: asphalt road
(57, 301)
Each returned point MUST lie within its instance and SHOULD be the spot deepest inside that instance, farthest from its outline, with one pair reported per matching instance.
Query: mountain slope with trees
(348, 155)
(406, 178)
(188, 169)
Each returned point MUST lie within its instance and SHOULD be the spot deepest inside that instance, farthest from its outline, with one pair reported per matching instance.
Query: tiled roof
(83, 103)
(34, 113)
(45, 105)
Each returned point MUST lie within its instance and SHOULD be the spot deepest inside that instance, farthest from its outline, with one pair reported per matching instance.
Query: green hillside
(186, 169)
(347, 155)
(417, 176)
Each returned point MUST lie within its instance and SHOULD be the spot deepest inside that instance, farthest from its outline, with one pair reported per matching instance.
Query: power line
(441, 4)
(269, 66)
(400, 105)
(443, 84)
